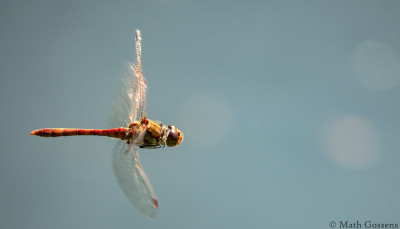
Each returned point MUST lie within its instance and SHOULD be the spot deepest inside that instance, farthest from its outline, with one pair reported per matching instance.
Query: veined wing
(131, 105)
(140, 95)
(133, 179)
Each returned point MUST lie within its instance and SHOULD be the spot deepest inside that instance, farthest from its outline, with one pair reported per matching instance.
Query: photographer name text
(364, 224)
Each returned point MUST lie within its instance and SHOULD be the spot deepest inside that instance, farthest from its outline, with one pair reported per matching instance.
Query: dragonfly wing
(133, 179)
(140, 92)
(131, 105)
(121, 114)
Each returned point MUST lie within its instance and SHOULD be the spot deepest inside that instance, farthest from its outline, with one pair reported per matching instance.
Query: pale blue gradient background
(253, 86)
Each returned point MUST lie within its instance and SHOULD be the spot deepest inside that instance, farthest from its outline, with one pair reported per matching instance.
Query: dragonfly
(130, 111)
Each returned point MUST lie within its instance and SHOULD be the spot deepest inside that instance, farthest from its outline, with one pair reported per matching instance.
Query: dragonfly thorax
(151, 134)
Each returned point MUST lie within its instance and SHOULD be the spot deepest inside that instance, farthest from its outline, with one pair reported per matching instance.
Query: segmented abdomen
(58, 132)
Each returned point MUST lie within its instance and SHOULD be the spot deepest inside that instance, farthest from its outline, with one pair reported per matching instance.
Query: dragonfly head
(172, 135)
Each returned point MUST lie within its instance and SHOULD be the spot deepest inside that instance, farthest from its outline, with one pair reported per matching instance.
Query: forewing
(131, 104)
(121, 114)
(140, 93)
(133, 179)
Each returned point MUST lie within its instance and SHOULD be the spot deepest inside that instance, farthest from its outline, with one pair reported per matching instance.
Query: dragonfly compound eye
(175, 136)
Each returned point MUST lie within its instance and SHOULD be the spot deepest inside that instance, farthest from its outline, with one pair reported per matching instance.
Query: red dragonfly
(130, 107)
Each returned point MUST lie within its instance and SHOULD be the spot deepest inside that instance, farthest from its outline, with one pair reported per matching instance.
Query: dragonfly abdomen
(58, 132)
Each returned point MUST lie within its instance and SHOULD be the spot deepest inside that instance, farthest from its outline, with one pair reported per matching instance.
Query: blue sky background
(290, 112)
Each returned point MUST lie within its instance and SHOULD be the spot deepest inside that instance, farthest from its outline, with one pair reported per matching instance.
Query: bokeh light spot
(353, 142)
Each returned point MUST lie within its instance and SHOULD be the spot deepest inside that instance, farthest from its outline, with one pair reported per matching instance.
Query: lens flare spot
(353, 142)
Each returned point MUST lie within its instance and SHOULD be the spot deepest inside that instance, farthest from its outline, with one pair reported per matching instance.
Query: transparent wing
(140, 95)
(131, 103)
(133, 179)
(122, 108)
